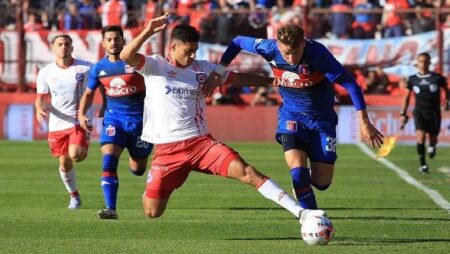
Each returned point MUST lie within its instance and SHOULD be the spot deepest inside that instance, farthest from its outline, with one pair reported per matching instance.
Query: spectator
(262, 98)
(392, 21)
(340, 19)
(423, 21)
(363, 26)
(113, 13)
(88, 12)
(377, 81)
(72, 18)
(33, 23)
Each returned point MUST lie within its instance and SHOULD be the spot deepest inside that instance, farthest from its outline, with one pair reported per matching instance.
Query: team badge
(79, 77)
(291, 125)
(201, 78)
(303, 69)
(110, 130)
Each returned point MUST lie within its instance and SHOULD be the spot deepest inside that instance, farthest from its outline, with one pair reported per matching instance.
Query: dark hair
(61, 36)
(185, 33)
(290, 35)
(425, 54)
(106, 29)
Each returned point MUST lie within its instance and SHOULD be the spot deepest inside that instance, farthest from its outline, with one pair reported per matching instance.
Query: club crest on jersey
(79, 77)
(291, 125)
(201, 78)
(303, 69)
(110, 131)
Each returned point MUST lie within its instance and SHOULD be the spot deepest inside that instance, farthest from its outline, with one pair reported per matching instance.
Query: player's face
(62, 48)
(184, 52)
(423, 63)
(291, 55)
(113, 43)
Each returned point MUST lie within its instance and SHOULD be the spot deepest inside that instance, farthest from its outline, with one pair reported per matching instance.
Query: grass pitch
(373, 210)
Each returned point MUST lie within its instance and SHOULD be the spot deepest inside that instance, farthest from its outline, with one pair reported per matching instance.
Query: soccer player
(64, 81)
(122, 124)
(306, 119)
(174, 121)
(426, 86)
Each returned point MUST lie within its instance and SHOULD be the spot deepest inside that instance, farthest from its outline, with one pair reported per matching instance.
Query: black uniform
(427, 111)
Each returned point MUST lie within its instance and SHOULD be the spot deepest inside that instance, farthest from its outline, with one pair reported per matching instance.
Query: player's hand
(85, 123)
(371, 135)
(101, 112)
(158, 24)
(214, 80)
(41, 115)
(403, 120)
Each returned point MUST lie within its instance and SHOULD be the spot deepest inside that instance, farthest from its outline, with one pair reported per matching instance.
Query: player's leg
(421, 125)
(212, 157)
(110, 179)
(139, 151)
(168, 171)
(433, 132)
(59, 143)
(296, 159)
(78, 144)
(322, 157)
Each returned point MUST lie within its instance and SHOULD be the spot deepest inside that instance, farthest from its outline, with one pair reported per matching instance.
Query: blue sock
(110, 181)
(301, 181)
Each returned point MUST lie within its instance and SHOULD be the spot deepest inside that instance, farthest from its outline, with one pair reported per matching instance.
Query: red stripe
(106, 173)
(315, 77)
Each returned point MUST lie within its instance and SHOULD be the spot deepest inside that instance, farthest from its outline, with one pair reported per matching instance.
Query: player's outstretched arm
(247, 79)
(129, 52)
(369, 133)
(85, 105)
(41, 111)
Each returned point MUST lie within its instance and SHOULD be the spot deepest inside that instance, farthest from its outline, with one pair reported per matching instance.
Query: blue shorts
(310, 134)
(125, 134)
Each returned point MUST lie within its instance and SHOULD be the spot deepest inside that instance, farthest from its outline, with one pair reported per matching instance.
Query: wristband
(220, 69)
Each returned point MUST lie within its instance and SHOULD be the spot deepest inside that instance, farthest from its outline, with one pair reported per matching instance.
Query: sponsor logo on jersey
(183, 93)
(423, 82)
(110, 131)
(291, 125)
(118, 87)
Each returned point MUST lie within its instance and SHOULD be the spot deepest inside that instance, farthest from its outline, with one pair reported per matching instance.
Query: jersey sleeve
(93, 80)
(409, 84)
(328, 64)
(41, 83)
(148, 66)
(263, 47)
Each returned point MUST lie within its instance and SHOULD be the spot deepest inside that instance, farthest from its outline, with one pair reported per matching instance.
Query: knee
(322, 187)
(66, 166)
(78, 157)
(138, 172)
(152, 213)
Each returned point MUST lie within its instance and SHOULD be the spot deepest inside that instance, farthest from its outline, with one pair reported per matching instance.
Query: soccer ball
(317, 231)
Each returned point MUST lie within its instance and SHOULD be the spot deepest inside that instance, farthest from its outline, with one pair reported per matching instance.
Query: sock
(270, 190)
(110, 181)
(431, 151)
(68, 179)
(421, 152)
(301, 181)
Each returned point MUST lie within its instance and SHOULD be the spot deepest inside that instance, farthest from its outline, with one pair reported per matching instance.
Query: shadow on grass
(344, 241)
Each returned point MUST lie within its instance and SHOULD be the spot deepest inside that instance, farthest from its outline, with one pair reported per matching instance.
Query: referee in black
(426, 85)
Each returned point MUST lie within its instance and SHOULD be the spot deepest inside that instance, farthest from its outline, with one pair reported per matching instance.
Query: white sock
(270, 190)
(68, 179)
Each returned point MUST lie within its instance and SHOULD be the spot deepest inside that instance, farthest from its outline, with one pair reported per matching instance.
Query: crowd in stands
(220, 20)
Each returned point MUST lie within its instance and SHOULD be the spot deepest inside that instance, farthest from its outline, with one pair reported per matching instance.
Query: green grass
(372, 209)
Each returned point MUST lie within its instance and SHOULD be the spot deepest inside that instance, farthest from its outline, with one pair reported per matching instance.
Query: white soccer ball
(317, 231)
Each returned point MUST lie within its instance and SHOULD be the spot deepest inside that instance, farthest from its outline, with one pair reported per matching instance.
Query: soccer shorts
(316, 138)
(59, 141)
(172, 163)
(126, 134)
(428, 121)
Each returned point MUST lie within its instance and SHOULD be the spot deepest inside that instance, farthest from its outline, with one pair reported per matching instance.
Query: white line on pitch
(433, 194)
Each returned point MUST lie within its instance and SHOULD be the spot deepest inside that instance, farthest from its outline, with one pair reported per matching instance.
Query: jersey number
(331, 145)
